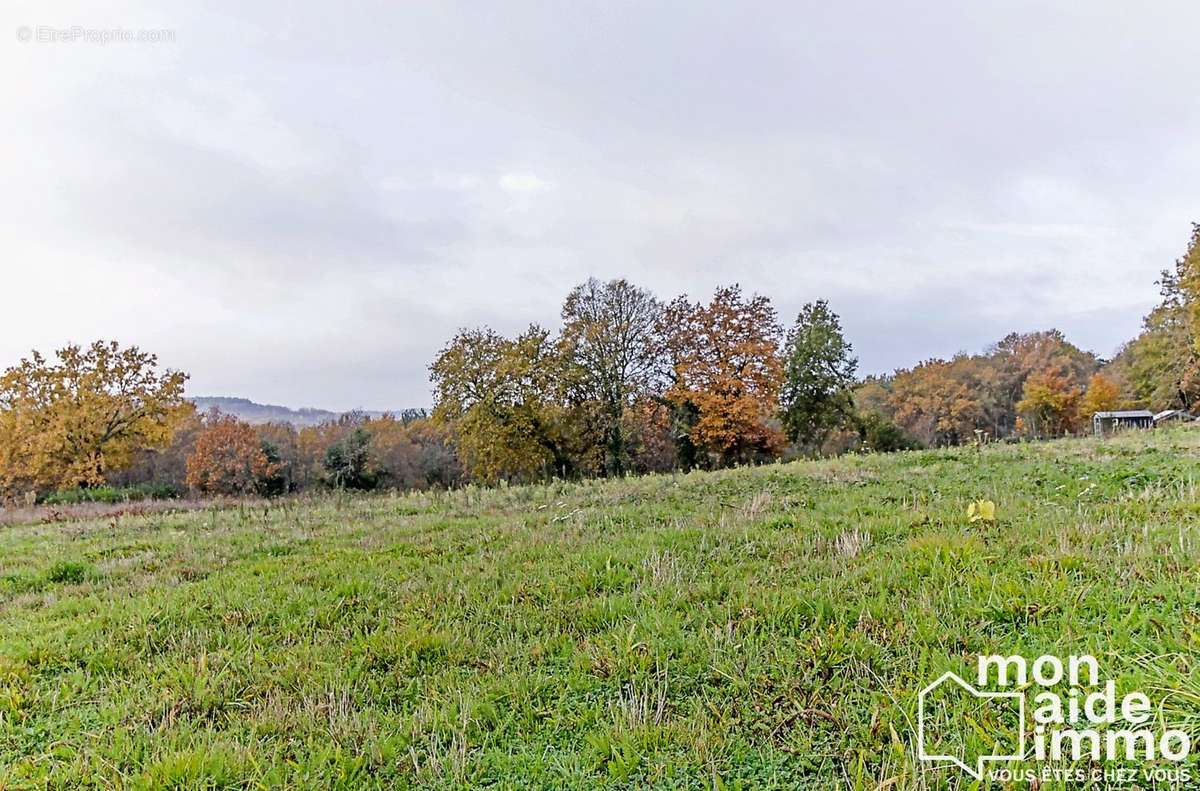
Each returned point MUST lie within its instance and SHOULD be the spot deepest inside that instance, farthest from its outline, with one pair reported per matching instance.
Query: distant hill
(249, 411)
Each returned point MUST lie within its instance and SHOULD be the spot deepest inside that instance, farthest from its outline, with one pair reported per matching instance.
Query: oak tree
(938, 401)
(67, 422)
(727, 375)
(610, 352)
(501, 400)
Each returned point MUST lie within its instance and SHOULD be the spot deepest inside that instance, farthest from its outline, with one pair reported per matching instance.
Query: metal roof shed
(1107, 422)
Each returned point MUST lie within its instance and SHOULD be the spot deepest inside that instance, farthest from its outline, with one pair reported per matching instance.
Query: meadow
(756, 627)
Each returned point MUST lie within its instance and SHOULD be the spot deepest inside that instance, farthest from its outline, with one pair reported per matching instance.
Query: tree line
(1040, 385)
(628, 383)
(106, 416)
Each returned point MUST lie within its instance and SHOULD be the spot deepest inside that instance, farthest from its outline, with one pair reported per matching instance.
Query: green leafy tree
(281, 442)
(347, 461)
(501, 400)
(1187, 275)
(610, 350)
(1161, 366)
(878, 433)
(819, 369)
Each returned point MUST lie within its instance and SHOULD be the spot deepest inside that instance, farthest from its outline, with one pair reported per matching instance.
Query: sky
(300, 203)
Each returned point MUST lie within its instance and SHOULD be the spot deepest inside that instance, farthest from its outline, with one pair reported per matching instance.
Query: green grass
(765, 627)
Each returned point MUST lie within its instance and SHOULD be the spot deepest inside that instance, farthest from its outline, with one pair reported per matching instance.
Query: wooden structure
(1172, 416)
(1108, 422)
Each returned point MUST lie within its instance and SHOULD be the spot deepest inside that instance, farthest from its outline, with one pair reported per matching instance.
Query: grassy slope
(770, 625)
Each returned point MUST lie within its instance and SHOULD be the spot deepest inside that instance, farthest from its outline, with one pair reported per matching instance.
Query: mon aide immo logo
(1048, 719)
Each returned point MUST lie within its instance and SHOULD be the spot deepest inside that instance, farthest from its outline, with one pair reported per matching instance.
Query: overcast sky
(300, 203)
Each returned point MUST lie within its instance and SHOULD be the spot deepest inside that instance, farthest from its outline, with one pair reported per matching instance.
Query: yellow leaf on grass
(981, 510)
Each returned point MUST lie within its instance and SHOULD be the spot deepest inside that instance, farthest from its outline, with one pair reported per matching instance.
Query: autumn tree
(938, 401)
(436, 464)
(1102, 395)
(228, 458)
(501, 400)
(648, 426)
(281, 442)
(819, 368)
(393, 455)
(163, 467)
(1001, 373)
(1049, 405)
(68, 422)
(1187, 275)
(313, 443)
(1161, 366)
(610, 354)
(873, 394)
(874, 417)
(727, 375)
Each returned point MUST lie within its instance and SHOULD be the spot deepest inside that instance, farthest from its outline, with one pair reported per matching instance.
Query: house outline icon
(977, 770)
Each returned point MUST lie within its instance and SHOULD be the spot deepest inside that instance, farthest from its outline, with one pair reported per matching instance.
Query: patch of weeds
(69, 572)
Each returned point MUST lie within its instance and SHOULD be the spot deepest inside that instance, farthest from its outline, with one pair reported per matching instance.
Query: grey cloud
(325, 196)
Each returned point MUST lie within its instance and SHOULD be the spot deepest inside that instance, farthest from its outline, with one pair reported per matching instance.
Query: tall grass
(764, 627)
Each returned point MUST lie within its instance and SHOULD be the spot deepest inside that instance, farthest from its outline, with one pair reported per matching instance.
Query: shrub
(67, 571)
(100, 494)
(113, 494)
(346, 461)
(229, 458)
(880, 434)
(155, 490)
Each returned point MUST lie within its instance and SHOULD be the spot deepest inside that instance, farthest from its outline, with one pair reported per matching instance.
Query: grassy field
(765, 627)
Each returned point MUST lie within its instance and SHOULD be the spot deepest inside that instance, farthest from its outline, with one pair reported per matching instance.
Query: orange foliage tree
(727, 375)
(410, 452)
(1103, 395)
(1049, 405)
(228, 458)
(68, 422)
(1009, 364)
(938, 401)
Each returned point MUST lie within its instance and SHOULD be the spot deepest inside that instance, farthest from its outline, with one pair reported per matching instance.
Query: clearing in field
(769, 626)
